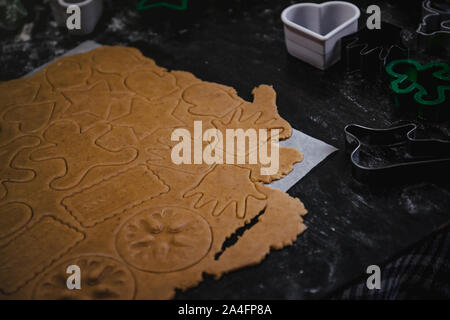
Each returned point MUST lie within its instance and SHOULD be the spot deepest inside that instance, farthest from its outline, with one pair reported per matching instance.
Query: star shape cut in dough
(96, 100)
(146, 117)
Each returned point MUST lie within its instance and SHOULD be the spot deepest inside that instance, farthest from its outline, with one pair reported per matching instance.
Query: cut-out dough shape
(7, 171)
(118, 138)
(226, 185)
(151, 85)
(236, 123)
(112, 196)
(264, 104)
(115, 82)
(116, 59)
(287, 158)
(209, 99)
(79, 152)
(164, 239)
(159, 148)
(146, 117)
(95, 100)
(44, 242)
(84, 120)
(17, 92)
(13, 216)
(30, 117)
(102, 278)
(8, 131)
(57, 74)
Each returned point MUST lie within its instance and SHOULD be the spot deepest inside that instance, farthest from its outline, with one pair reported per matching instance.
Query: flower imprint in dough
(101, 278)
(164, 239)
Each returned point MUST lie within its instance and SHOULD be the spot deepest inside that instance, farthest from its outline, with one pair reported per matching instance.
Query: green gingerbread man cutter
(425, 87)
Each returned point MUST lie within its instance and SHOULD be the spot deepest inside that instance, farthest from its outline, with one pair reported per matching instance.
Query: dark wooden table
(241, 44)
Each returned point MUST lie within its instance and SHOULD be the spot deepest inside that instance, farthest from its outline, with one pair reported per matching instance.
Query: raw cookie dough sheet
(86, 179)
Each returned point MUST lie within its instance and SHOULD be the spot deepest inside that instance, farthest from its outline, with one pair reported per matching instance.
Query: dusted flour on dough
(86, 178)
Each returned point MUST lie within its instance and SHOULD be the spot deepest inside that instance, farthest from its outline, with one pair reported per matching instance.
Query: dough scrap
(86, 179)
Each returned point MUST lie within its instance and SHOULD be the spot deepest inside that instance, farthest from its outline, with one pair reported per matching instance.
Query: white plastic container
(313, 31)
(91, 11)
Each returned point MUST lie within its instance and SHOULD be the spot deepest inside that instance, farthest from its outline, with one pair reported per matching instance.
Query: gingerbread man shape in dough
(79, 151)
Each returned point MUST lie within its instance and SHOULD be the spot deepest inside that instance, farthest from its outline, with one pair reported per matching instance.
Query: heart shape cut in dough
(30, 117)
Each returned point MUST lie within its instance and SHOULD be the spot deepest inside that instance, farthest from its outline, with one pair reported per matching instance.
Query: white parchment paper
(314, 152)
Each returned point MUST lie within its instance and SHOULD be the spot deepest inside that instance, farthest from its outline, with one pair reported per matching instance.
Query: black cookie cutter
(371, 50)
(395, 154)
(433, 33)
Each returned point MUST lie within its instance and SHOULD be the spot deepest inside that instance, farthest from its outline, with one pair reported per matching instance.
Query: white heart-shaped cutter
(312, 31)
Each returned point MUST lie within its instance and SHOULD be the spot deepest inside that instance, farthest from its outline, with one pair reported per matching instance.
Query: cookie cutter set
(90, 13)
(314, 33)
(395, 154)
(433, 32)
(321, 34)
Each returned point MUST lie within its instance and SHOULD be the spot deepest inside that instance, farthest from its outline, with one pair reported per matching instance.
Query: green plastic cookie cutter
(143, 5)
(425, 87)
